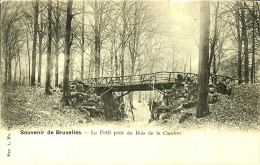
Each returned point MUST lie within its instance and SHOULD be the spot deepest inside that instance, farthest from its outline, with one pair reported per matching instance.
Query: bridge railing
(138, 79)
(154, 78)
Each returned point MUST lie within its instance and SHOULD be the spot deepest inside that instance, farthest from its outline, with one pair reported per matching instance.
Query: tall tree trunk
(214, 64)
(123, 42)
(26, 72)
(239, 42)
(202, 106)
(40, 62)
(97, 41)
(71, 66)
(28, 54)
(15, 68)
(83, 41)
(245, 38)
(35, 31)
(10, 68)
(253, 48)
(20, 71)
(112, 52)
(246, 58)
(57, 63)
(140, 92)
(67, 54)
(57, 40)
(116, 66)
(49, 56)
(134, 47)
(40, 51)
(214, 41)
(1, 76)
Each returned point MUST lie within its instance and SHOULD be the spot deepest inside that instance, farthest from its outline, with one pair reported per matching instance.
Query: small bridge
(160, 81)
(145, 82)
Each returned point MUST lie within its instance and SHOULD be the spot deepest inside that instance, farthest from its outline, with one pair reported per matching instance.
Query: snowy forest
(51, 49)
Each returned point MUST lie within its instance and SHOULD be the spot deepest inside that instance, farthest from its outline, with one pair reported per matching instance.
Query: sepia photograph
(129, 82)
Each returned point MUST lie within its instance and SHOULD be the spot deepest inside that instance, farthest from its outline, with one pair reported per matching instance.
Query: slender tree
(245, 39)
(40, 48)
(67, 53)
(0, 43)
(239, 42)
(202, 106)
(123, 40)
(214, 42)
(253, 48)
(28, 55)
(49, 58)
(35, 31)
(83, 41)
(97, 40)
(57, 40)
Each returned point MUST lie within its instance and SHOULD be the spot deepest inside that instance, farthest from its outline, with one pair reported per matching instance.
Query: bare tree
(239, 42)
(202, 106)
(83, 41)
(97, 41)
(67, 53)
(125, 19)
(57, 40)
(41, 47)
(11, 35)
(49, 54)
(35, 31)
(253, 47)
(245, 39)
(0, 43)
(102, 19)
(214, 41)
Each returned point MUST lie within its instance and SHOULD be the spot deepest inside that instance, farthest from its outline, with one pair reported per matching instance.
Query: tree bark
(29, 58)
(36, 12)
(1, 44)
(57, 38)
(67, 53)
(253, 48)
(245, 38)
(97, 41)
(71, 66)
(49, 58)
(202, 106)
(20, 71)
(10, 67)
(40, 51)
(15, 68)
(123, 42)
(116, 66)
(83, 41)
(214, 43)
(239, 51)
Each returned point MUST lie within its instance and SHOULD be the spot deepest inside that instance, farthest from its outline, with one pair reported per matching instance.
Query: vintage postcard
(90, 82)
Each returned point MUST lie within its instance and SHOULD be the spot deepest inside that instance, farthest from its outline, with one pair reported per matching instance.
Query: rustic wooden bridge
(145, 82)
(160, 81)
